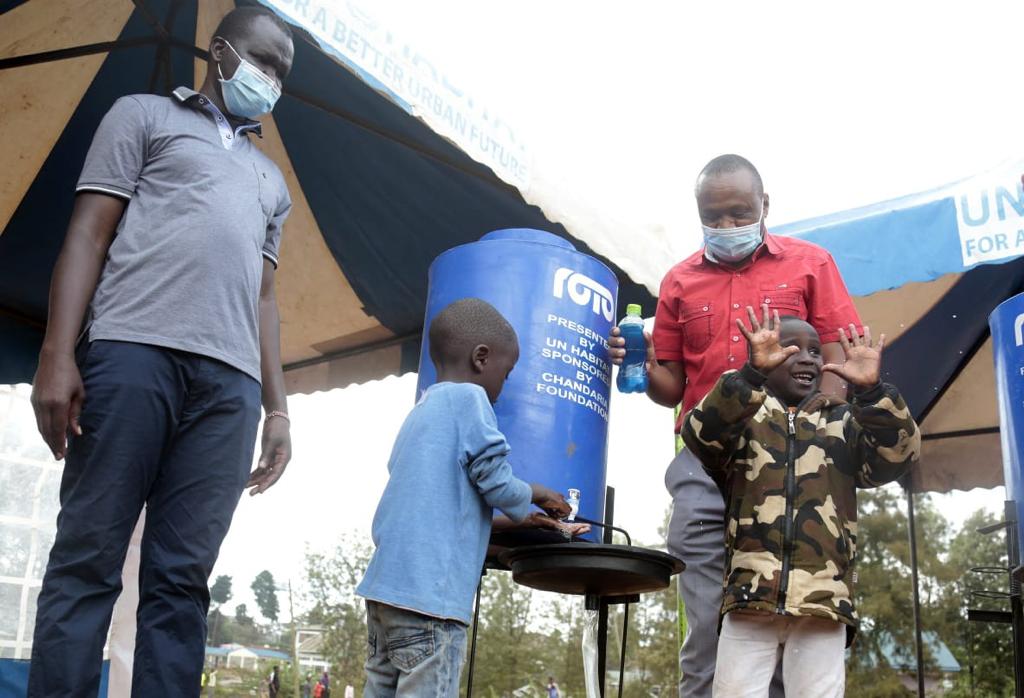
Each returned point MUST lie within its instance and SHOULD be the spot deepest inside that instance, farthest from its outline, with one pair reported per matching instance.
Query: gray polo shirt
(205, 207)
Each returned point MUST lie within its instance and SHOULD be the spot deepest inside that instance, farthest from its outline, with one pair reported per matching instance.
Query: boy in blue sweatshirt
(449, 470)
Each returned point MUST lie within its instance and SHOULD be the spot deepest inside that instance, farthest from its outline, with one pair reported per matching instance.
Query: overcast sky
(837, 105)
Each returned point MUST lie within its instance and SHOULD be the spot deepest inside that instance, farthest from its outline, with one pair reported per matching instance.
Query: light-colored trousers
(749, 649)
(697, 536)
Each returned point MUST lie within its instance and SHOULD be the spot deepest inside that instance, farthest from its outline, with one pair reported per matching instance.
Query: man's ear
(764, 208)
(481, 355)
(217, 48)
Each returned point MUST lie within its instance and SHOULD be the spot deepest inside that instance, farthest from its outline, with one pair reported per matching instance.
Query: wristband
(277, 413)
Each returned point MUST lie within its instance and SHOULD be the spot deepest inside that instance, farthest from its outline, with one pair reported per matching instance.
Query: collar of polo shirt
(228, 136)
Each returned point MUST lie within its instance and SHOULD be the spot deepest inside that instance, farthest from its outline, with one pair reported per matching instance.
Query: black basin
(588, 568)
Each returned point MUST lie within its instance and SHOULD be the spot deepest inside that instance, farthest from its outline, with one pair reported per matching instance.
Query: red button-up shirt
(699, 302)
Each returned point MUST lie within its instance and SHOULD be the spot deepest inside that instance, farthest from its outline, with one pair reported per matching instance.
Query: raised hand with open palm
(863, 358)
(765, 351)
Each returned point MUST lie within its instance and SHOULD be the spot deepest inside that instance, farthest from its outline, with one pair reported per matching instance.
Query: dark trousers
(174, 431)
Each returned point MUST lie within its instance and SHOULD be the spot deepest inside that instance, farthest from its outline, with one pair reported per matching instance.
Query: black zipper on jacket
(787, 538)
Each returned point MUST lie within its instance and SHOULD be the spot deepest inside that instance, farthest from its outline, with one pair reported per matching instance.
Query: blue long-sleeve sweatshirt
(449, 470)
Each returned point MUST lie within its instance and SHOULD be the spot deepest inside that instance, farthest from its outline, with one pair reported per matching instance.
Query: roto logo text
(1018, 330)
(585, 291)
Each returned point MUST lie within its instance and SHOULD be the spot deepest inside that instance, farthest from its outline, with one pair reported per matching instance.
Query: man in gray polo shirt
(170, 257)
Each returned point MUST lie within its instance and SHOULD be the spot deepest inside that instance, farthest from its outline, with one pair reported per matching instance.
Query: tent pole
(918, 645)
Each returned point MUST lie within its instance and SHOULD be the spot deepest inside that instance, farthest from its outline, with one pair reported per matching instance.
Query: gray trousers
(696, 535)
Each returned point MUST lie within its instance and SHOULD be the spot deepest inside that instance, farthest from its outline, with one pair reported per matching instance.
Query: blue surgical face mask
(731, 244)
(250, 92)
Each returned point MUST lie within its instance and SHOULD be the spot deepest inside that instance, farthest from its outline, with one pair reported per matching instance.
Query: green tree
(884, 590)
(220, 594)
(658, 632)
(562, 649)
(242, 629)
(265, 590)
(653, 646)
(527, 636)
(331, 581)
(509, 649)
(984, 650)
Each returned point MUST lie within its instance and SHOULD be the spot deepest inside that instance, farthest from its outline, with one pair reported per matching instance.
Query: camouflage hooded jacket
(790, 479)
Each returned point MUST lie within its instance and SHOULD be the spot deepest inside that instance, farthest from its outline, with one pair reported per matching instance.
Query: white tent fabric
(395, 66)
(616, 109)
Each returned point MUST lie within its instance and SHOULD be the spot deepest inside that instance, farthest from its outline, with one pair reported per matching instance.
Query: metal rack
(1014, 571)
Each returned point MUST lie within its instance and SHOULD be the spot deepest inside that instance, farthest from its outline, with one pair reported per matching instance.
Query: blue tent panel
(917, 237)
(880, 251)
(14, 678)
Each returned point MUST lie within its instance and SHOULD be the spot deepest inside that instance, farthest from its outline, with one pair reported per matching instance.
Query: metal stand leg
(918, 643)
(472, 646)
(622, 648)
(1017, 613)
(602, 644)
(602, 611)
(1016, 609)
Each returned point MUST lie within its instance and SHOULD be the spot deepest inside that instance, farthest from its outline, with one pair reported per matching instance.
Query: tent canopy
(377, 193)
(927, 270)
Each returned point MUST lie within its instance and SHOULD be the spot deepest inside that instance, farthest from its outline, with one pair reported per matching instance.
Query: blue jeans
(165, 428)
(410, 654)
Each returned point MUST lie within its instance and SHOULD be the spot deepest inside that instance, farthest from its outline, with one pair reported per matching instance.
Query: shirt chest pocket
(697, 320)
(787, 301)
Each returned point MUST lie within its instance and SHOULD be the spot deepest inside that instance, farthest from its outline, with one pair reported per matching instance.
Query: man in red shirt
(696, 339)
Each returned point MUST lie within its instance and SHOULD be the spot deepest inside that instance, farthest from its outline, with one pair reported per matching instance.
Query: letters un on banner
(416, 84)
(990, 217)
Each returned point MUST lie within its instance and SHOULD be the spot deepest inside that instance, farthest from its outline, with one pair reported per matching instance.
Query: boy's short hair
(783, 319)
(236, 24)
(465, 324)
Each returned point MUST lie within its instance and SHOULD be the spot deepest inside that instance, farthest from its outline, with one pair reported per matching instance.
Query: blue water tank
(554, 407)
(1007, 324)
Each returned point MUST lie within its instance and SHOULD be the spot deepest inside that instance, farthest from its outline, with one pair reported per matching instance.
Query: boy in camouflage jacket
(788, 461)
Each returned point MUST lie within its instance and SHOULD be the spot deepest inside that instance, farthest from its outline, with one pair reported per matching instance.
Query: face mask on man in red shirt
(732, 244)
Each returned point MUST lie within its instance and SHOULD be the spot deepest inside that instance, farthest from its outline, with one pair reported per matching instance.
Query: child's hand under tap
(538, 519)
